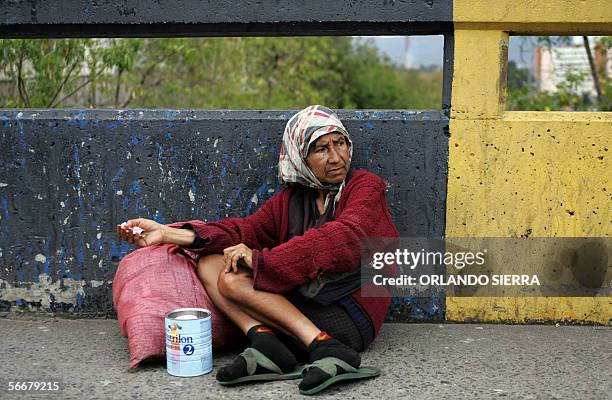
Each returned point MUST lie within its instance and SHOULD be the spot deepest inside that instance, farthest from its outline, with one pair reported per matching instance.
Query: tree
(260, 72)
(51, 73)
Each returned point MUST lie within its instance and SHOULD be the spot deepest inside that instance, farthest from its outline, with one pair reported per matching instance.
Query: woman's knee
(208, 269)
(234, 285)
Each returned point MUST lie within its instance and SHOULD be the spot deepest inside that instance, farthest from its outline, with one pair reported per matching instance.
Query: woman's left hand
(232, 255)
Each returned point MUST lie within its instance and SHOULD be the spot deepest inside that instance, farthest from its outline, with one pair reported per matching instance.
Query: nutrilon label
(188, 341)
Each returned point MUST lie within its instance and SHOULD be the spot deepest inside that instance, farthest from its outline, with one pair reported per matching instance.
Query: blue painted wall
(68, 177)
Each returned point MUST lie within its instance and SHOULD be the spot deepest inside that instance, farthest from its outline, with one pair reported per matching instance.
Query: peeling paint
(175, 177)
(44, 291)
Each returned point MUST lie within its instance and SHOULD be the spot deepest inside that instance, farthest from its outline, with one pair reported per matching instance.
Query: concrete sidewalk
(419, 361)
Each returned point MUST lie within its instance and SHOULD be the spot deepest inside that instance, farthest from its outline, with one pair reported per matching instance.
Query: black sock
(326, 346)
(263, 339)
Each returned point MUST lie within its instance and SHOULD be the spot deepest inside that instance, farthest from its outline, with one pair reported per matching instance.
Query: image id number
(31, 385)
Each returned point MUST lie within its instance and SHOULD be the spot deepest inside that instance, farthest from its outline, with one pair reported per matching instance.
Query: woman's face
(328, 158)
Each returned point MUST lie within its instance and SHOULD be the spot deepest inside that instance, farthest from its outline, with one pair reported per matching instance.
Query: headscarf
(303, 129)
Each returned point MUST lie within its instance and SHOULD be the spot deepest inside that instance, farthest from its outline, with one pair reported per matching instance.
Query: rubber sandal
(253, 358)
(329, 364)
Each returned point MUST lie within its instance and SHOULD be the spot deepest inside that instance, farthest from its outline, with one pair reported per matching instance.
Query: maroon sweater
(280, 265)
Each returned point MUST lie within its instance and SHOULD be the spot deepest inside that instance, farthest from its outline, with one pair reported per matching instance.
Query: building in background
(553, 65)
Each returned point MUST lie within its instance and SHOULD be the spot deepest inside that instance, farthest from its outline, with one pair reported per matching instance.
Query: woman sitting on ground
(293, 267)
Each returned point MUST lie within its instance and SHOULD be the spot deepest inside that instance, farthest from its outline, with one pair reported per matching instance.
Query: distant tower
(407, 60)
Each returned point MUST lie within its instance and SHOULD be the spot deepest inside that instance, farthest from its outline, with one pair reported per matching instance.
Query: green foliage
(45, 73)
(375, 84)
(528, 98)
(238, 73)
(39, 71)
(517, 77)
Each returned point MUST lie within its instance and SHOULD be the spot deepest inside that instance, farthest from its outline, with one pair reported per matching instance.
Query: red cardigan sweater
(280, 265)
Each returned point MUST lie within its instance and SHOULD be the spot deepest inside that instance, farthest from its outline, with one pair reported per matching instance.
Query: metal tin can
(188, 341)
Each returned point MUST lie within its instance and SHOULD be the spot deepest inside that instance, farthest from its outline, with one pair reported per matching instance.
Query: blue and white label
(188, 342)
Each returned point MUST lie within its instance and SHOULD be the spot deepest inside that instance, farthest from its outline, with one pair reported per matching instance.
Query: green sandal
(328, 365)
(253, 358)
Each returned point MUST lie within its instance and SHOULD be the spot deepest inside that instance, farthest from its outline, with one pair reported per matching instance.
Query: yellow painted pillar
(513, 174)
(479, 79)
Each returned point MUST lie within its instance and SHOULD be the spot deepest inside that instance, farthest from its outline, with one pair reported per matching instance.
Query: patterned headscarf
(303, 129)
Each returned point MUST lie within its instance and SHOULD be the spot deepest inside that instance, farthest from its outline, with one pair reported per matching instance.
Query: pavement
(89, 358)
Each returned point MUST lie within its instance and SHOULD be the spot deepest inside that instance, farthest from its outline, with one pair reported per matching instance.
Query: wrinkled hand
(234, 255)
(141, 232)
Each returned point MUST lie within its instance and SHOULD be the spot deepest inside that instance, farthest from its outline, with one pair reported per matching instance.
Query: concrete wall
(68, 177)
(515, 174)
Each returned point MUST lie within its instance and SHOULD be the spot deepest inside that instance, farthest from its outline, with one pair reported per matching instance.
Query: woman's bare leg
(208, 271)
(238, 287)
(209, 268)
(233, 293)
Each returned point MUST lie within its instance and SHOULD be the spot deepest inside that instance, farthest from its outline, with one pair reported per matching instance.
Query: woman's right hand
(152, 232)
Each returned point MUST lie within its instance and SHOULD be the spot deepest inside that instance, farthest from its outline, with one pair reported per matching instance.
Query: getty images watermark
(458, 260)
(487, 266)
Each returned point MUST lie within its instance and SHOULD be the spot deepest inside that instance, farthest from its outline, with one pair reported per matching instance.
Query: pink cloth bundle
(151, 281)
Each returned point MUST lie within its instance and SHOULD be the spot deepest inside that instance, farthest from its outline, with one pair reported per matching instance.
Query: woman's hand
(232, 255)
(141, 232)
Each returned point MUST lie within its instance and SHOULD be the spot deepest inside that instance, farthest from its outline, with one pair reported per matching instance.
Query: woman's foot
(324, 346)
(266, 342)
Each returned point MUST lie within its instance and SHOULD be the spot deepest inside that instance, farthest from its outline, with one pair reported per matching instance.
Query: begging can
(189, 341)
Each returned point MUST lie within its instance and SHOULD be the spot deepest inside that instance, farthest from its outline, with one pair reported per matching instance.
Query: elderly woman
(293, 267)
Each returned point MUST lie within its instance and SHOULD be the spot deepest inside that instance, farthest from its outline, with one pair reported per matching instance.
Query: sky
(427, 50)
(424, 50)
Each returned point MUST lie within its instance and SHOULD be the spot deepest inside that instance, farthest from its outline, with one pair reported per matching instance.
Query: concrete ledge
(67, 18)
